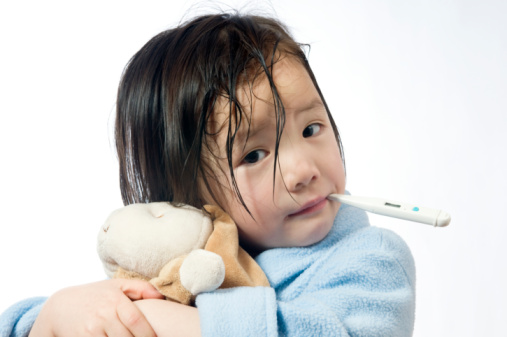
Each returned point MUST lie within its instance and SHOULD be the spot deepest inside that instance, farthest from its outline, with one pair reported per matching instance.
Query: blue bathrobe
(17, 321)
(358, 281)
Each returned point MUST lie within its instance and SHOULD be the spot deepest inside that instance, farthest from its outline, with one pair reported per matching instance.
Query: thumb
(138, 290)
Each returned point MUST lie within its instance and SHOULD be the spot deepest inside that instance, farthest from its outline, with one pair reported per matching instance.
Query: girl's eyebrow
(314, 103)
(257, 126)
(252, 129)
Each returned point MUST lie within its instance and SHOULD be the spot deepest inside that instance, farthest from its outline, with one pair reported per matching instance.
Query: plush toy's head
(143, 238)
(181, 251)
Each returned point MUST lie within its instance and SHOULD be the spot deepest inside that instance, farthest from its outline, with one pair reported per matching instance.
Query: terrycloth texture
(358, 281)
(17, 320)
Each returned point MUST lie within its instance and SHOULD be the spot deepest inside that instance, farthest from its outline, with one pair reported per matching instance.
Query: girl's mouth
(310, 207)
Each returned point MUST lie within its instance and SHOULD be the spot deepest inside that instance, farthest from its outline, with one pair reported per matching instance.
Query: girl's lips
(310, 207)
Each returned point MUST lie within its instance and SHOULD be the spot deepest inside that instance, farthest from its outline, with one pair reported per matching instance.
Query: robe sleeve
(17, 320)
(363, 286)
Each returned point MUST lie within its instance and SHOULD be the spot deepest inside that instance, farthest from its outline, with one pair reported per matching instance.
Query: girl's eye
(311, 130)
(254, 157)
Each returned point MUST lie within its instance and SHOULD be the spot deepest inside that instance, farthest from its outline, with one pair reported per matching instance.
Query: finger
(137, 290)
(133, 319)
(118, 330)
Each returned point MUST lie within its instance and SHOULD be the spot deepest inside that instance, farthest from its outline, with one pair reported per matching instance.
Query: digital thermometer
(434, 217)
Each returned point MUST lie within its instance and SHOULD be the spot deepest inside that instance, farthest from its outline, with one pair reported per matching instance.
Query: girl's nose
(298, 169)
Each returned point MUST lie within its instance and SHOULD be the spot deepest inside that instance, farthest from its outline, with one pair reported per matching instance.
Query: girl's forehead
(256, 101)
(290, 79)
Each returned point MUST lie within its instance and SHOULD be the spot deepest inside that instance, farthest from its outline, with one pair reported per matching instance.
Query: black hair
(168, 93)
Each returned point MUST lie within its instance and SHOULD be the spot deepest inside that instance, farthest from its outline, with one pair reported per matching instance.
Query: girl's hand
(97, 309)
(172, 319)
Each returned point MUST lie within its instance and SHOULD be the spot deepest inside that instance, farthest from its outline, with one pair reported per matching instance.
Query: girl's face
(294, 211)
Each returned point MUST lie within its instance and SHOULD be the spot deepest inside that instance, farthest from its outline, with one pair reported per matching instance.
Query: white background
(417, 88)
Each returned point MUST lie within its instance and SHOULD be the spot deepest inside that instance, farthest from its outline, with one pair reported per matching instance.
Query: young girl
(225, 110)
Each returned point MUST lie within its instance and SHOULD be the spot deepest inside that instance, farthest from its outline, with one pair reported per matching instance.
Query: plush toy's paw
(202, 271)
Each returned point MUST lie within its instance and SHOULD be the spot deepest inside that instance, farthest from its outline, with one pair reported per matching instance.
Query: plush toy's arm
(168, 283)
(185, 277)
(202, 271)
(240, 268)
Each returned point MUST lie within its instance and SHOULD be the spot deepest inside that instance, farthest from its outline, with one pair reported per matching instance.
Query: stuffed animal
(182, 251)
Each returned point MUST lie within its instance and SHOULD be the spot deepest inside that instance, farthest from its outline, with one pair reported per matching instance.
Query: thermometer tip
(443, 219)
